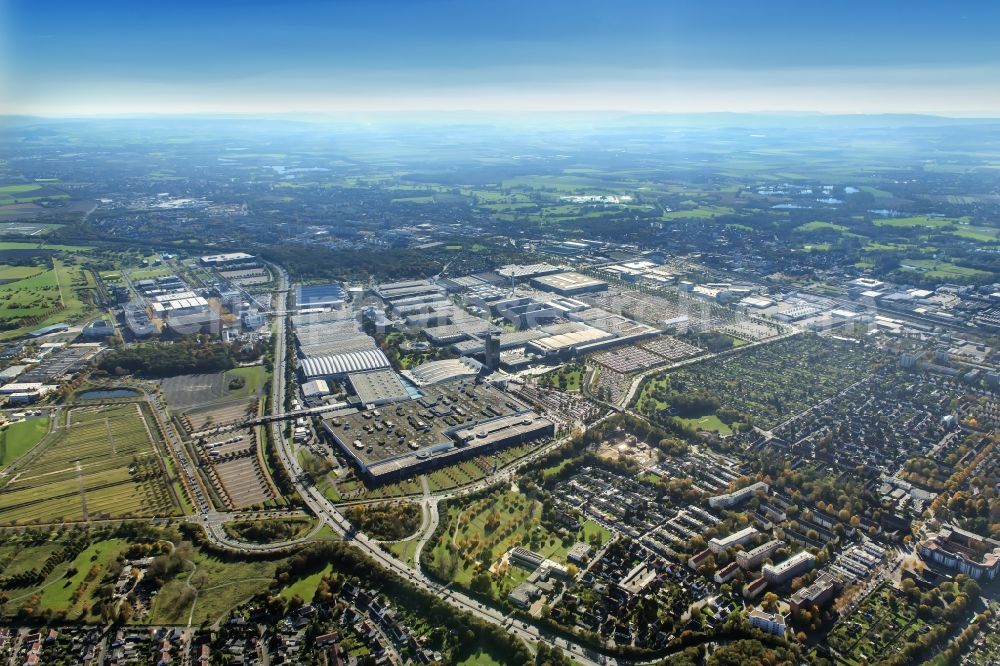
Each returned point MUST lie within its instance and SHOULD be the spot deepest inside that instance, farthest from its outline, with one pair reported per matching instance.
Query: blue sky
(251, 56)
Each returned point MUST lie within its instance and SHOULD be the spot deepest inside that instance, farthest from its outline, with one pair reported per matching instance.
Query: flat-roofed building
(817, 594)
(717, 545)
(229, 259)
(378, 387)
(751, 559)
(799, 563)
(315, 388)
(330, 295)
(569, 284)
(393, 291)
(446, 423)
(524, 271)
(737, 497)
(568, 342)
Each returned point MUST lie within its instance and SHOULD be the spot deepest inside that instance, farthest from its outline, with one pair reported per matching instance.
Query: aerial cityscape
(499, 333)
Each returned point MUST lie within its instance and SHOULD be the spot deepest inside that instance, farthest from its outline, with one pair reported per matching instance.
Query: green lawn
(14, 245)
(221, 585)
(916, 221)
(17, 438)
(818, 224)
(97, 557)
(481, 658)
(149, 273)
(12, 273)
(253, 377)
(710, 423)
(982, 234)
(18, 189)
(703, 212)
(590, 528)
(404, 550)
(305, 588)
(571, 375)
(50, 295)
(942, 269)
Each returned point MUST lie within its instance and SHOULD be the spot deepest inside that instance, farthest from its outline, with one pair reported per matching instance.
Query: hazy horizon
(264, 58)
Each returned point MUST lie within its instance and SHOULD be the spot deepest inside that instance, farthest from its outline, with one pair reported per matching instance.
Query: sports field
(103, 462)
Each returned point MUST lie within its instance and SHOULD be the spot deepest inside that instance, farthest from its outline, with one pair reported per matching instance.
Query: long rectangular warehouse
(439, 428)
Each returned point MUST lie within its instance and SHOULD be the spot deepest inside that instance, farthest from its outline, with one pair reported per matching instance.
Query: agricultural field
(767, 384)
(103, 462)
(22, 228)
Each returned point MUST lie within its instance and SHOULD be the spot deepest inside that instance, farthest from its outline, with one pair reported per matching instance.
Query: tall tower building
(492, 351)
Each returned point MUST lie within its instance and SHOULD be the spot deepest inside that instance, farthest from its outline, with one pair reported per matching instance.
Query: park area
(477, 534)
(103, 462)
(60, 575)
(39, 295)
(207, 587)
(17, 438)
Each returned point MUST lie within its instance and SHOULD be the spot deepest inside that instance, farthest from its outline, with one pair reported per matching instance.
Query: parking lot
(190, 390)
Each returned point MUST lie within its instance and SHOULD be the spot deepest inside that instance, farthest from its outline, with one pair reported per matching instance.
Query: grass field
(981, 234)
(219, 586)
(709, 423)
(942, 269)
(305, 587)
(704, 212)
(817, 225)
(15, 245)
(916, 221)
(404, 550)
(17, 438)
(253, 378)
(74, 595)
(43, 298)
(482, 658)
(14, 273)
(103, 462)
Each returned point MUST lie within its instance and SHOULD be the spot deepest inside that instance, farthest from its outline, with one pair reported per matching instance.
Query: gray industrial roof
(341, 364)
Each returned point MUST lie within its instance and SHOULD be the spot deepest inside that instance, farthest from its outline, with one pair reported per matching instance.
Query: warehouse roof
(341, 364)
(439, 371)
(378, 387)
